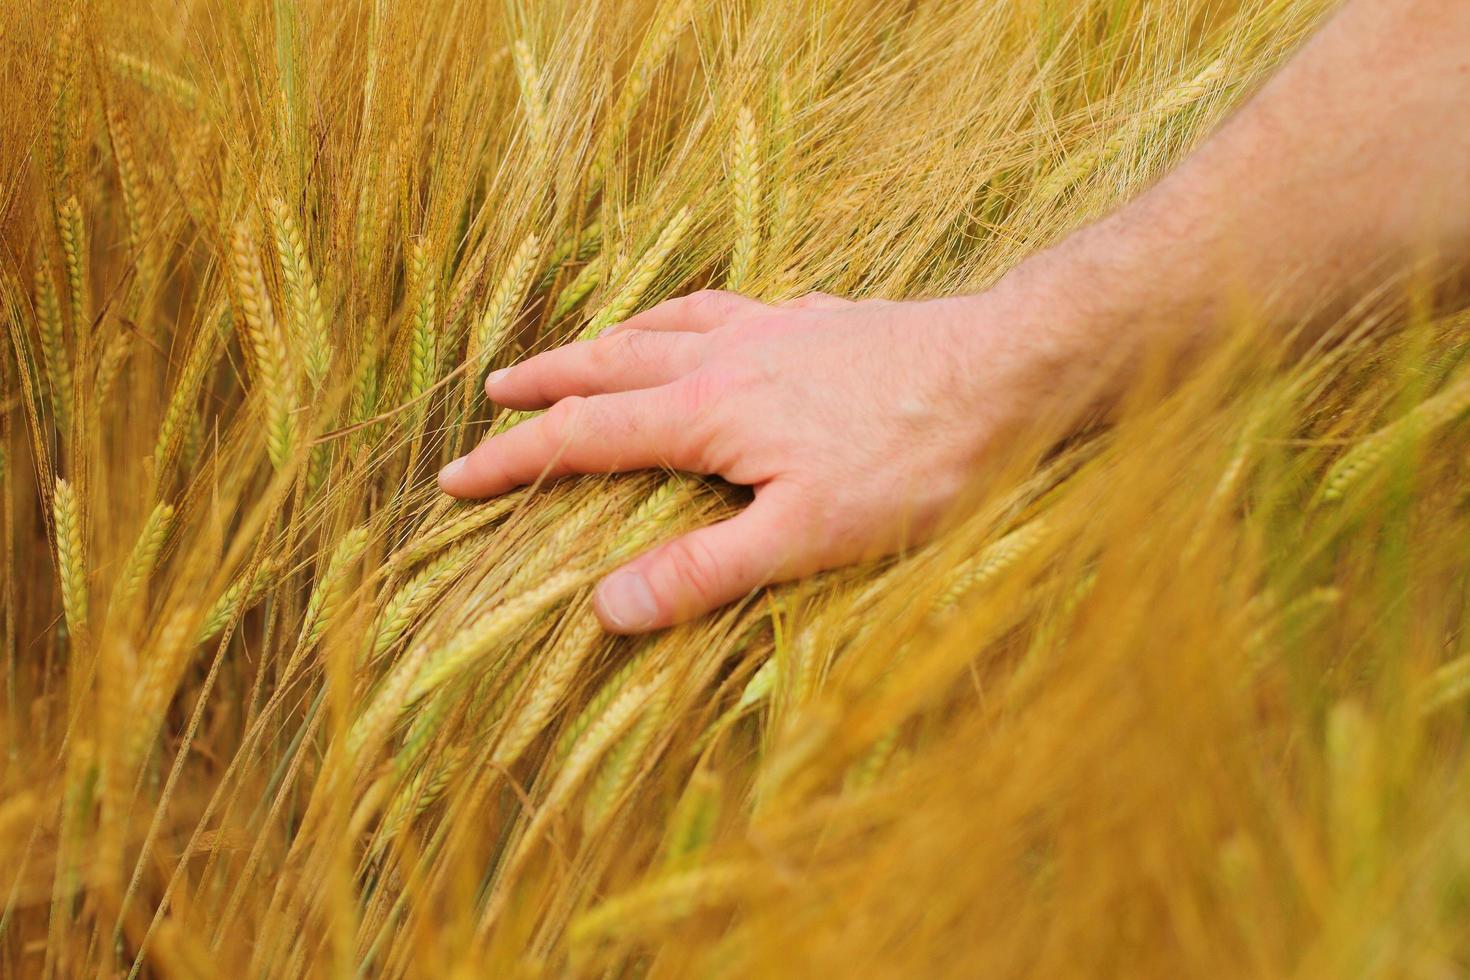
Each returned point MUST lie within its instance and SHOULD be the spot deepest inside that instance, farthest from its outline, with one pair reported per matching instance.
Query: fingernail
(495, 377)
(451, 470)
(627, 601)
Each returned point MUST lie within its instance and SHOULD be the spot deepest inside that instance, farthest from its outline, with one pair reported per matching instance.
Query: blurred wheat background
(1183, 697)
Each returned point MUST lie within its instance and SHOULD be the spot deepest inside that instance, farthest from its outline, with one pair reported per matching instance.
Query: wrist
(1110, 300)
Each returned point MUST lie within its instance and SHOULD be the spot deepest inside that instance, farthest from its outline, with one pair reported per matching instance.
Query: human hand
(856, 423)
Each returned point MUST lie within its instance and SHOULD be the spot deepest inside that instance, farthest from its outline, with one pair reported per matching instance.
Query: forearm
(1350, 168)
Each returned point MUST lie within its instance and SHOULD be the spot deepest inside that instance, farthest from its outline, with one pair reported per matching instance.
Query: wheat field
(1182, 697)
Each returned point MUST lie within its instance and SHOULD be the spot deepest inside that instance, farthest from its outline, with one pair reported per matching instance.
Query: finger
(629, 430)
(698, 312)
(624, 361)
(816, 301)
(708, 568)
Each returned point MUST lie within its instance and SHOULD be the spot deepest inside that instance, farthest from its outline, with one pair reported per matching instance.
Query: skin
(858, 424)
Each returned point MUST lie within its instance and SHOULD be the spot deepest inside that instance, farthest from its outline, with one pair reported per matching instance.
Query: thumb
(704, 569)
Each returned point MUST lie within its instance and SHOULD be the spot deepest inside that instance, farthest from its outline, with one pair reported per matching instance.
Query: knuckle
(699, 401)
(715, 302)
(562, 419)
(703, 391)
(636, 346)
(767, 325)
(696, 569)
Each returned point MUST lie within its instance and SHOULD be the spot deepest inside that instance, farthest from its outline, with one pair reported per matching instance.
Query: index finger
(630, 430)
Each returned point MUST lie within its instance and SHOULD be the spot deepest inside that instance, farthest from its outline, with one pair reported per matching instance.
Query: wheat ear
(399, 612)
(1084, 162)
(130, 179)
(692, 825)
(668, 25)
(326, 599)
(110, 366)
(156, 79)
(745, 189)
(488, 633)
(506, 299)
(71, 559)
(53, 346)
(631, 293)
(594, 709)
(472, 520)
(587, 279)
(550, 684)
(424, 669)
(993, 562)
(423, 351)
(661, 901)
(65, 113)
(239, 596)
(73, 235)
(257, 322)
(620, 765)
(1373, 450)
(533, 96)
(304, 309)
(135, 572)
(578, 244)
(186, 389)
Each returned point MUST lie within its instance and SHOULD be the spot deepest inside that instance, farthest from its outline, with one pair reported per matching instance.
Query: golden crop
(1182, 697)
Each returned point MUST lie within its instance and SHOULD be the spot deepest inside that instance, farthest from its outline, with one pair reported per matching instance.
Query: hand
(856, 423)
